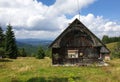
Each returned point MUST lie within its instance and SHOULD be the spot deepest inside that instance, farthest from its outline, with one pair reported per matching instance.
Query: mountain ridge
(31, 45)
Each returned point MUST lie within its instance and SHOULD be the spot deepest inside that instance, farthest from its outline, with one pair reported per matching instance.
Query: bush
(40, 53)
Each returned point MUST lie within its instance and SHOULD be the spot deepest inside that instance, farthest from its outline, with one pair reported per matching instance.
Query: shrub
(40, 53)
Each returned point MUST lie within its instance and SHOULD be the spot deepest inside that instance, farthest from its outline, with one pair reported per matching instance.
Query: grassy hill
(29, 69)
(112, 46)
(115, 49)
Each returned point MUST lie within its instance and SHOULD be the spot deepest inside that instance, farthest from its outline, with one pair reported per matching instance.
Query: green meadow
(29, 69)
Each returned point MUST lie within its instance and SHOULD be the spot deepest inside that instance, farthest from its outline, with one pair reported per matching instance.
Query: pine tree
(10, 43)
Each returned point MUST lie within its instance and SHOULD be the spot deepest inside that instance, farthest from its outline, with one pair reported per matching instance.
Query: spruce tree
(1, 37)
(10, 43)
(2, 45)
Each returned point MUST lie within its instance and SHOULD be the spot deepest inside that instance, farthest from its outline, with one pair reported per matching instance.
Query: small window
(72, 53)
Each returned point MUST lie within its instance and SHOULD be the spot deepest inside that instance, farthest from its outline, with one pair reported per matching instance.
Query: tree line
(9, 48)
(106, 39)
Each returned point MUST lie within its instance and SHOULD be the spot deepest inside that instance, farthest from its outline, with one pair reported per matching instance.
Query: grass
(29, 69)
(112, 46)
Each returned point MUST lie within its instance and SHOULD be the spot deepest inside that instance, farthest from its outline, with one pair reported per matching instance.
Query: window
(72, 53)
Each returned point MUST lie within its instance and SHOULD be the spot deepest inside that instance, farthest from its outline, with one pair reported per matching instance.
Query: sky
(46, 19)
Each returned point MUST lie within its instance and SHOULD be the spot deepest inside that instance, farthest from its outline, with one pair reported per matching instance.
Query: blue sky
(109, 9)
(47, 2)
(46, 19)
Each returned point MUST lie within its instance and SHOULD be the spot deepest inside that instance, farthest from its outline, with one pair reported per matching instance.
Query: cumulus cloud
(33, 19)
(100, 26)
(69, 6)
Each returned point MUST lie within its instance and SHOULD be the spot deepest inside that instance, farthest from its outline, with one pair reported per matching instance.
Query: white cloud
(23, 34)
(70, 6)
(100, 26)
(32, 19)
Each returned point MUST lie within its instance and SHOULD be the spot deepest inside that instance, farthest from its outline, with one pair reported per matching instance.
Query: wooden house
(77, 45)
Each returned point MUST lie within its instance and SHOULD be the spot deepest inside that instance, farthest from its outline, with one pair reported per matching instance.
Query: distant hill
(31, 45)
(35, 42)
(28, 48)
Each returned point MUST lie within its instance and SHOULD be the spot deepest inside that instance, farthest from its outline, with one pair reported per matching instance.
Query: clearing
(29, 69)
